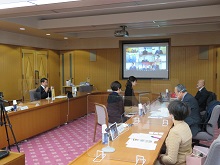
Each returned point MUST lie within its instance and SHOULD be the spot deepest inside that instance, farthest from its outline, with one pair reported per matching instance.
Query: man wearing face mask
(193, 119)
(202, 95)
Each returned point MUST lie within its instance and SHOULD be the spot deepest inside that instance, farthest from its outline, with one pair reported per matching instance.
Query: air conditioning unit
(122, 32)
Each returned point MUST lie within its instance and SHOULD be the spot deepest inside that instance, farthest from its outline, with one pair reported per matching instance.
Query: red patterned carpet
(60, 145)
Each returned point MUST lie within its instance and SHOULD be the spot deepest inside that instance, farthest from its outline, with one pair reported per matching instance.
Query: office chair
(213, 154)
(33, 94)
(101, 116)
(208, 133)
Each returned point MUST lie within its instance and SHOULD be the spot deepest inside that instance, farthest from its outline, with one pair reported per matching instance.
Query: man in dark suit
(202, 95)
(43, 89)
(193, 119)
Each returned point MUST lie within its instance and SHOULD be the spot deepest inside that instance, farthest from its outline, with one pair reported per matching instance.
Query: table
(13, 159)
(124, 155)
(43, 115)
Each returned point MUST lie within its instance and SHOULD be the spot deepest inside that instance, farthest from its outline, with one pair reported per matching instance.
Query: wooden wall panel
(81, 66)
(98, 70)
(10, 71)
(53, 70)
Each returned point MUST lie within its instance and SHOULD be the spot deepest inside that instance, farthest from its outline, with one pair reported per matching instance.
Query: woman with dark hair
(115, 105)
(179, 139)
(130, 98)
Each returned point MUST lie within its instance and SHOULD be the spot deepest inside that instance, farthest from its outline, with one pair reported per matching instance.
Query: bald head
(200, 84)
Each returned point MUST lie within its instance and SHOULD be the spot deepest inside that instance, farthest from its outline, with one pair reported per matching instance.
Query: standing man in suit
(43, 89)
(202, 95)
(193, 119)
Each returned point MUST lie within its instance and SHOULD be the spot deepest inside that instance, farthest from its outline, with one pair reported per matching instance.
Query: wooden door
(41, 66)
(34, 67)
(27, 72)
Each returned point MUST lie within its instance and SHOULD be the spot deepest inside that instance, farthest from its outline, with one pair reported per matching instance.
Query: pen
(155, 137)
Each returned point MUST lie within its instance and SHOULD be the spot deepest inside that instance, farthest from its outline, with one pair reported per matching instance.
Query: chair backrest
(212, 96)
(101, 114)
(213, 119)
(33, 95)
(213, 154)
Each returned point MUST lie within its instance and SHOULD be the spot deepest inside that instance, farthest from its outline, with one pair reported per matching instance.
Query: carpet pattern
(60, 145)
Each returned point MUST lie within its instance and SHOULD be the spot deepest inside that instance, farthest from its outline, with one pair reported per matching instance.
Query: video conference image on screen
(146, 61)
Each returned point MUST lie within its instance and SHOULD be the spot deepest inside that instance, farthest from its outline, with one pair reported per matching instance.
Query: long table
(44, 115)
(124, 155)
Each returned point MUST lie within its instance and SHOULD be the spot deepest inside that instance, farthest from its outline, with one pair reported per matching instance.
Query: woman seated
(115, 105)
(179, 139)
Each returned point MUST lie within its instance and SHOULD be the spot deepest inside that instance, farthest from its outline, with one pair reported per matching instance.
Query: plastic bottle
(140, 109)
(52, 93)
(15, 105)
(104, 134)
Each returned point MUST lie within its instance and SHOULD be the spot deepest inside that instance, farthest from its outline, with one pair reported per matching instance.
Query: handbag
(198, 156)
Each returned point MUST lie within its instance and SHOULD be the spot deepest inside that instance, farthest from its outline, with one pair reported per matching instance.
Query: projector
(122, 32)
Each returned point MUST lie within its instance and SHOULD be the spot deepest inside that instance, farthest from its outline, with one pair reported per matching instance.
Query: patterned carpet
(61, 145)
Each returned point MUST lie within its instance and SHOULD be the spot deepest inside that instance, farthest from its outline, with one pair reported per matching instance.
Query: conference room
(89, 43)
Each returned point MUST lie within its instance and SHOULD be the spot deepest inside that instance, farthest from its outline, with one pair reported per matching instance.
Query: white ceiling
(100, 18)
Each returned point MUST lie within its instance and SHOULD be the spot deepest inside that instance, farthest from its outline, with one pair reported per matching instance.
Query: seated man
(115, 106)
(193, 119)
(43, 89)
(202, 95)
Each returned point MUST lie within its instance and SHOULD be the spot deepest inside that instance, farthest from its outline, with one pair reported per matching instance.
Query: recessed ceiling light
(65, 38)
(154, 22)
(22, 28)
(48, 34)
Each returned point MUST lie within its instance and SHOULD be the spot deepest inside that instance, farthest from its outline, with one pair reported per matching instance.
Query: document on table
(60, 97)
(143, 141)
(160, 113)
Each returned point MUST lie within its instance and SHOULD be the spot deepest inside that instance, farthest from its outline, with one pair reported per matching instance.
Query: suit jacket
(115, 108)
(43, 94)
(130, 98)
(201, 97)
(193, 119)
(178, 144)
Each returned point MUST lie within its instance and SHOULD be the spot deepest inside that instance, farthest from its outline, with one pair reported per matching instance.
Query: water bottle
(104, 134)
(140, 109)
(15, 105)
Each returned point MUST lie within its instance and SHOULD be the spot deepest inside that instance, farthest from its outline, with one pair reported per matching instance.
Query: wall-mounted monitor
(145, 59)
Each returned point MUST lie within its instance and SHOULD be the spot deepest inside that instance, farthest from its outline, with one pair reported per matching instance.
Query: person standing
(130, 99)
(43, 89)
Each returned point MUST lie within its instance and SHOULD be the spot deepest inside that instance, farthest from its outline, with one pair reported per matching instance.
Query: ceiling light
(154, 22)
(26, 3)
(65, 38)
(48, 34)
(43, 2)
(22, 28)
(15, 4)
